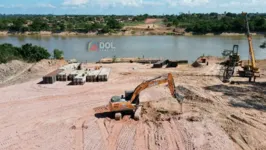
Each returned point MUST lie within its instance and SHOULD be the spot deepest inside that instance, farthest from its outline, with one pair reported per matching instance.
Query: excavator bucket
(101, 109)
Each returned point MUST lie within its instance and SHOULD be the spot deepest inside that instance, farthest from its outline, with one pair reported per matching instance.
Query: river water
(170, 47)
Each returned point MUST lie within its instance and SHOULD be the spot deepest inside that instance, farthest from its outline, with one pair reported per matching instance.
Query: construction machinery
(130, 101)
(250, 70)
(230, 64)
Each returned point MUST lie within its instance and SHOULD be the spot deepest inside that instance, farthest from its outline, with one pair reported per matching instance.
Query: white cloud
(111, 3)
(16, 6)
(40, 5)
(153, 3)
(117, 3)
(193, 2)
(189, 3)
(75, 2)
(46, 6)
(249, 3)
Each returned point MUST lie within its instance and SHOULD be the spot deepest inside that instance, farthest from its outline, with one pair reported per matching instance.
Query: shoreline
(127, 33)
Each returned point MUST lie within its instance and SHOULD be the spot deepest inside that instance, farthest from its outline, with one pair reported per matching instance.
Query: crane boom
(251, 50)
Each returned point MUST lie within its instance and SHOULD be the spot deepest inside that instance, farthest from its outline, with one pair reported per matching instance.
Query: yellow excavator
(250, 70)
(130, 101)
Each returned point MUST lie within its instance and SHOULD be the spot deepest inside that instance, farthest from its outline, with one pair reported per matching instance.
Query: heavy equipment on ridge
(130, 101)
(250, 70)
(230, 64)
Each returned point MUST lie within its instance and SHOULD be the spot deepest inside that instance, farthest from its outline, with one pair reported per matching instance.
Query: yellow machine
(250, 70)
(130, 102)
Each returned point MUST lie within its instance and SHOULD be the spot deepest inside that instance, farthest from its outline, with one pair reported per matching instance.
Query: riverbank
(164, 32)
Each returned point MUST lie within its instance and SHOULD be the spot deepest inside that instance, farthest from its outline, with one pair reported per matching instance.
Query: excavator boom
(154, 82)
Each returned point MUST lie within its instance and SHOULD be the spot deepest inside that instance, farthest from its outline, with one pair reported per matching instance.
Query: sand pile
(45, 64)
(11, 68)
(18, 71)
(192, 93)
(161, 110)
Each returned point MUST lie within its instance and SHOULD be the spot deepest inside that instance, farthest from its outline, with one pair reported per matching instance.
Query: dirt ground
(216, 116)
(17, 71)
(152, 27)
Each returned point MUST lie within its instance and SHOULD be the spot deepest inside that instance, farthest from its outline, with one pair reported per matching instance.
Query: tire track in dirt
(113, 134)
(156, 138)
(21, 139)
(85, 128)
(163, 135)
(180, 137)
(126, 138)
(93, 140)
(140, 139)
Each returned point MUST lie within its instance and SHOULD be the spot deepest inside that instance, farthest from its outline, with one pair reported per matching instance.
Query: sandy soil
(17, 71)
(215, 115)
(152, 20)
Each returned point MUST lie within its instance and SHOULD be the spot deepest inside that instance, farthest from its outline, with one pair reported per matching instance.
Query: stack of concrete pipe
(92, 76)
(104, 74)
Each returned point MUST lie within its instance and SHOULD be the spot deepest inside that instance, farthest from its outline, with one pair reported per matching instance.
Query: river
(170, 47)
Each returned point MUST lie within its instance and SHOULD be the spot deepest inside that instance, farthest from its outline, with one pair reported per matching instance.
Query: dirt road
(58, 116)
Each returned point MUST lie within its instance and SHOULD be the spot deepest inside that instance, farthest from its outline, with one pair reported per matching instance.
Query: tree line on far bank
(27, 52)
(217, 23)
(198, 23)
(58, 24)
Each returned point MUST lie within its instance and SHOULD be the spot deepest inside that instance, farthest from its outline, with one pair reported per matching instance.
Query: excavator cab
(125, 98)
(116, 99)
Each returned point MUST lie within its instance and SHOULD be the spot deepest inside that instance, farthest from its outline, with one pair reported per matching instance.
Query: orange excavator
(130, 101)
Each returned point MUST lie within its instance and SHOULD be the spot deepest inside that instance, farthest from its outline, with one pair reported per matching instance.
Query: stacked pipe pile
(160, 64)
(72, 75)
(104, 74)
(183, 62)
(172, 64)
(80, 79)
(148, 61)
(62, 76)
(51, 77)
(92, 76)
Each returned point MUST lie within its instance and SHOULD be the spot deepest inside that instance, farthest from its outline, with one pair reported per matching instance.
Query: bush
(27, 52)
(58, 54)
(8, 52)
(34, 53)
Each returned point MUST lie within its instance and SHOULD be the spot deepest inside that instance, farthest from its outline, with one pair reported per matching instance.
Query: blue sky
(157, 7)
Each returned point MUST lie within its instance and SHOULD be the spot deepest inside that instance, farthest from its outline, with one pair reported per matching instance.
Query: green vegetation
(72, 23)
(133, 23)
(170, 33)
(216, 23)
(197, 23)
(27, 52)
(58, 54)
